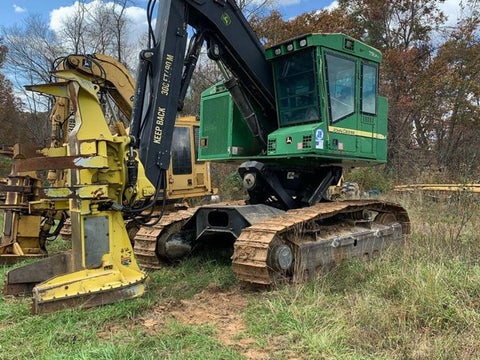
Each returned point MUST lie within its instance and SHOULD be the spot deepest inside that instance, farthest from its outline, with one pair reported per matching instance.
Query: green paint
(328, 108)
(226, 19)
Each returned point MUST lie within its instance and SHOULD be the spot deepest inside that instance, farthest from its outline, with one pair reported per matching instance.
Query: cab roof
(335, 41)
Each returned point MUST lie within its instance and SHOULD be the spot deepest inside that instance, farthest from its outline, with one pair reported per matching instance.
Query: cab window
(341, 86)
(296, 86)
(369, 88)
(196, 140)
(181, 151)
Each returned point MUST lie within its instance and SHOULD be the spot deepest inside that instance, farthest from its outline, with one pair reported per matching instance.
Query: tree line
(430, 71)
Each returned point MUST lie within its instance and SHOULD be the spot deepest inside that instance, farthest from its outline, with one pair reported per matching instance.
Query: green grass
(74, 334)
(422, 301)
(418, 302)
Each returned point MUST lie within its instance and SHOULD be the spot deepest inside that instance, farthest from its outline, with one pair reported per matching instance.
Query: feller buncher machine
(27, 226)
(293, 116)
(26, 230)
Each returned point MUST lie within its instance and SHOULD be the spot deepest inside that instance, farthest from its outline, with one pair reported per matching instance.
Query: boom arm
(165, 72)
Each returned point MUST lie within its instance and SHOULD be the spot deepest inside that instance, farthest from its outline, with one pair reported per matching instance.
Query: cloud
(136, 15)
(18, 9)
(333, 5)
(451, 8)
(58, 15)
(138, 22)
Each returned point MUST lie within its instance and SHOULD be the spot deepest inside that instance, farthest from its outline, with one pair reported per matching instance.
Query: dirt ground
(223, 310)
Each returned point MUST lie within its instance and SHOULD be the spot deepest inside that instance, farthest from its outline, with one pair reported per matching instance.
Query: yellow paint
(59, 192)
(102, 148)
(83, 81)
(113, 274)
(53, 152)
(17, 249)
(28, 226)
(88, 147)
(353, 132)
(49, 204)
(102, 180)
(92, 191)
(472, 188)
(55, 89)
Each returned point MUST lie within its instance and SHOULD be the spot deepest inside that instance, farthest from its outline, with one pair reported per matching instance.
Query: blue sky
(14, 11)
(54, 11)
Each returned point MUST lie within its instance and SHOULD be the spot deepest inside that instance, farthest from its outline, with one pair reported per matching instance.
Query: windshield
(296, 86)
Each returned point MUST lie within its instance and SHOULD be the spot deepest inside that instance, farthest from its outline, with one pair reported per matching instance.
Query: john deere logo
(226, 19)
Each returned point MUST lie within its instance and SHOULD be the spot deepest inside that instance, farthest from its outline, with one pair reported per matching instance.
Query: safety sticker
(319, 139)
(126, 256)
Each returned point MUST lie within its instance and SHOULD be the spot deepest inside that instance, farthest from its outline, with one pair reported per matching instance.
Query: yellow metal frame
(471, 188)
(95, 180)
(101, 69)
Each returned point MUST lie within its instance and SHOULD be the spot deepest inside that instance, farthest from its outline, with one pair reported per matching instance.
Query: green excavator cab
(328, 107)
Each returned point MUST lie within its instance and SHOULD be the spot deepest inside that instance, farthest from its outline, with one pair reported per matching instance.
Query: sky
(14, 11)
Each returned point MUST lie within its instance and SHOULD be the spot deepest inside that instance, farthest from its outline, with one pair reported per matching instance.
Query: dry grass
(422, 301)
(418, 302)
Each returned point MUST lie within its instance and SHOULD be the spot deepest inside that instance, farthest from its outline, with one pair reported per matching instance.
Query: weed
(370, 178)
(416, 302)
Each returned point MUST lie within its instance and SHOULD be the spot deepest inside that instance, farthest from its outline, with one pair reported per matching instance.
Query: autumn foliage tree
(273, 29)
(449, 121)
(9, 106)
(402, 30)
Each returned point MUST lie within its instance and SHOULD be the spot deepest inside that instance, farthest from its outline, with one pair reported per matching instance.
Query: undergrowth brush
(415, 302)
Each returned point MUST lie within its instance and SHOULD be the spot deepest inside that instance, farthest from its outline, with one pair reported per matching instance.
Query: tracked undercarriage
(304, 242)
(272, 245)
(150, 241)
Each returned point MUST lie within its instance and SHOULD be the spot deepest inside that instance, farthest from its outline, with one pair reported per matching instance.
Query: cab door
(368, 121)
(187, 177)
(341, 85)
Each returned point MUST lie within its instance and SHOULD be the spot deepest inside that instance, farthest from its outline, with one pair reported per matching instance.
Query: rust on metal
(66, 230)
(8, 258)
(22, 280)
(57, 163)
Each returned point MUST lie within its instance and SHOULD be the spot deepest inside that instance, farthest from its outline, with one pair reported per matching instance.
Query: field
(422, 301)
